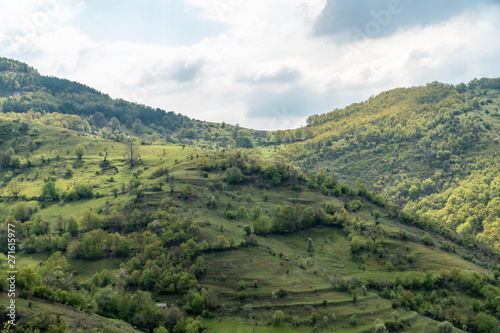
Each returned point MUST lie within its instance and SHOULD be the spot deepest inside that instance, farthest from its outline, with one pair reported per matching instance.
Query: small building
(161, 305)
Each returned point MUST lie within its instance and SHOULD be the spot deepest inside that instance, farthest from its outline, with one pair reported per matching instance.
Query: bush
(187, 191)
(234, 175)
(69, 172)
(278, 317)
(8, 176)
(445, 327)
(79, 151)
(427, 239)
(280, 293)
(230, 215)
(242, 285)
(83, 190)
(49, 191)
(356, 245)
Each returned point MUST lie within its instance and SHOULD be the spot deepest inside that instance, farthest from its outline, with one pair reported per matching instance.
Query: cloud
(354, 20)
(297, 101)
(184, 72)
(283, 74)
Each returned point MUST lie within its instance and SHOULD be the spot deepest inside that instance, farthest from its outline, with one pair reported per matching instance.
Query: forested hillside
(28, 91)
(432, 150)
(27, 96)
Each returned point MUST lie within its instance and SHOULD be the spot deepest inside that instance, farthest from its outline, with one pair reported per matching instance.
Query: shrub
(49, 191)
(278, 317)
(234, 175)
(79, 151)
(242, 285)
(427, 239)
(356, 245)
(230, 215)
(445, 327)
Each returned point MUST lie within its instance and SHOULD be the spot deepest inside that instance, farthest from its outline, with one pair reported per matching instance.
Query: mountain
(163, 229)
(27, 91)
(433, 150)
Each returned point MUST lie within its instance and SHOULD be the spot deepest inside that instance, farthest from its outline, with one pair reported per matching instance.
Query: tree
(114, 190)
(353, 321)
(379, 327)
(445, 327)
(356, 245)
(14, 189)
(247, 308)
(197, 304)
(187, 191)
(222, 243)
(373, 232)
(191, 134)
(131, 152)
(23, 127)
(414, 192)
(248, 230)
(15, 162)
(105, 160)
(278, 317)
(79, 151)
(72, 226)
(298, 134)
(376, 214)
(486, 323)
(211, 298)
(256, 212)
(242, 213)
(160, 329)
(4, 160)
(31, 145)
(93, 244)
(234, 175)
(309, 244)
(49, 191)
(21, 212)
(246, 142)
(427, 239)
(114, 123)
(98, 119)
(396, 314)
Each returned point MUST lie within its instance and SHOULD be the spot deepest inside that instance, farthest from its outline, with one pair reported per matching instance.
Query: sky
(263, 64)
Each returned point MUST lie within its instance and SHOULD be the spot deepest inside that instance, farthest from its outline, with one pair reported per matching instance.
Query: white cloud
(266, 70)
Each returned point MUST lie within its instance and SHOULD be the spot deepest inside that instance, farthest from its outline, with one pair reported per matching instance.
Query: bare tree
(14, 189)
(373, 232)
(131, 152)
(105, 161)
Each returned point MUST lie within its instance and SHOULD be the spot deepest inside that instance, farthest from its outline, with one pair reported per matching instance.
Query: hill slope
(177, 229)
(432, 150)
